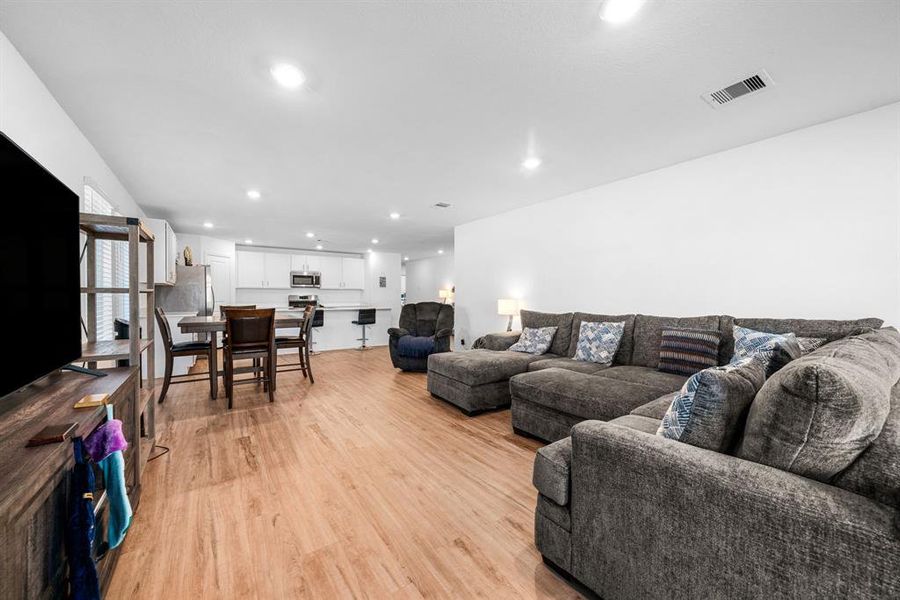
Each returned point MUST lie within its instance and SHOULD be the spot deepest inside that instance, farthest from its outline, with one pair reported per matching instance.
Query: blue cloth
(410, 346)
(119, 518)
(83, 581)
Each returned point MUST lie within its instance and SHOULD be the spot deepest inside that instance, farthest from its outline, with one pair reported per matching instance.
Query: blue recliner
(425, 329)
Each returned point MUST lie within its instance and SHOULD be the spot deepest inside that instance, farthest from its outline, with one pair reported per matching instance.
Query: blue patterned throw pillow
(707, 411)
(598, 342)
(534, 340)
(774, 350)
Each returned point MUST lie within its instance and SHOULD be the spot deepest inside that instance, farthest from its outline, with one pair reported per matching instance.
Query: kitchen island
(338, 332)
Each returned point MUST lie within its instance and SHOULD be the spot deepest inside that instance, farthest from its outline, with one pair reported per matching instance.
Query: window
(112, 266)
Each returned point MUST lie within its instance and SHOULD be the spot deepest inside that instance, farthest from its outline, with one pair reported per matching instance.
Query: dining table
(214, 324)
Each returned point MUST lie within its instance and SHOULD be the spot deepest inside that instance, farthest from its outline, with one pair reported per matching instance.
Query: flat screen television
(40, 276)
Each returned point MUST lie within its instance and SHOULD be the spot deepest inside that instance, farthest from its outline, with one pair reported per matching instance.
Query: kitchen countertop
(327, 308)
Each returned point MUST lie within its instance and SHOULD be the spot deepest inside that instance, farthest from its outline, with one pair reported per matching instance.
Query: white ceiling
(410, 104)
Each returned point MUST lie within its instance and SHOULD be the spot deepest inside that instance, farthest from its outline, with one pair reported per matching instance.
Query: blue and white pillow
(707, 411)
(774, 350)
(598, 342)
(534, 340)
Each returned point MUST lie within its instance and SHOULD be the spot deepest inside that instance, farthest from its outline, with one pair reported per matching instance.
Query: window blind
(112, 267)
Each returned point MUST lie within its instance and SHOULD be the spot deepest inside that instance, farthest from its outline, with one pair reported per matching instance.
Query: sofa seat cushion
(876, 473)
(648, 335)
(817, 328)
(639, 423)
(656, 409)
(478, 367)
(562, 322)
(581, 395)
(815, 416)
(412, 346)
(552, 470)
(665, 382)
(567, 363)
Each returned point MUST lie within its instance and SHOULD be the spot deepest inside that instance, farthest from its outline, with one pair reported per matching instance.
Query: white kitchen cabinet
(313, 263)
(251, 269)
(307, 263)
(165, 252)
(353, 273)
(331, 268)
(278, 270)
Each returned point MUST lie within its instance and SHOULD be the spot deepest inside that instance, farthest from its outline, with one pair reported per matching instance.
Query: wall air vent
(442, 205)
(753, 84)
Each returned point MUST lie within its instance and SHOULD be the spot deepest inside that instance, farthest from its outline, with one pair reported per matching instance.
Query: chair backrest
(250, 327)
(426, 318)
(225, 307)
(366, 316)
(164, 330)
(308, 320)
(319, 318)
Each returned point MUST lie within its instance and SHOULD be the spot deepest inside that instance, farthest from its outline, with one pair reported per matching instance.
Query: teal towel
(116, 494)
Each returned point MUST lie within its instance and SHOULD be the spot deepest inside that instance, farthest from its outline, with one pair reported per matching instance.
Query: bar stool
(365, 317)
(181, 349)
(318, 321)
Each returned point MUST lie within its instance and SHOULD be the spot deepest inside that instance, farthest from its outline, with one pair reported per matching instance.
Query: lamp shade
(508, 307)
(443, 293)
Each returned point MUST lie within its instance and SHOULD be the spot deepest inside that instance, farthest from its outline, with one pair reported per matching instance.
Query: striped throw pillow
(687, 351)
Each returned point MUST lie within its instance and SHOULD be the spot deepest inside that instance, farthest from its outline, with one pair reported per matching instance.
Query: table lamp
(508, 307)
(443, 295)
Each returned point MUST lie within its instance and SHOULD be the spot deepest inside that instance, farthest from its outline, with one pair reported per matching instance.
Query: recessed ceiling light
(619, 11)
(208, 225)
(288, 75)
(254, 194)
(374, 240)
(369, 250)
(395, 215)
(405, 258)
(440, 251)
(248, 241)
(310, 234)
(531, 163)
(318, 246)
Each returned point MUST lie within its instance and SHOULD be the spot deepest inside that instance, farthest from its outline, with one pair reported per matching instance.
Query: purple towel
(105, 440)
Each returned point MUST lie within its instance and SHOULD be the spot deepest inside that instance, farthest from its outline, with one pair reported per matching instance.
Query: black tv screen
(40, 295)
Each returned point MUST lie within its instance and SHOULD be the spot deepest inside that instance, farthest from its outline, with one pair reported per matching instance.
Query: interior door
(220, 273)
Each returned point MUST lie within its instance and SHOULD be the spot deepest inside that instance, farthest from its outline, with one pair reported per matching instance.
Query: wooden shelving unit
(133, 232)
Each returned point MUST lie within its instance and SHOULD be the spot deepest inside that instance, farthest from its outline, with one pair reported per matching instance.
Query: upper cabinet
(165, 252)
(273, 270)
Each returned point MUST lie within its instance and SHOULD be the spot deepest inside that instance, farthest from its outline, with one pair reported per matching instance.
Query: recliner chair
(425, 329)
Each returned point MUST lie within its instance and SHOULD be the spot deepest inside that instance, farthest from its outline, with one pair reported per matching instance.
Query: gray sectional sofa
(807, 505)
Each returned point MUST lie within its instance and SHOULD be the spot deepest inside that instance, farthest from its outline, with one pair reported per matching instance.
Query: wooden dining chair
(181, 349)
(250, 334)
(302, 341)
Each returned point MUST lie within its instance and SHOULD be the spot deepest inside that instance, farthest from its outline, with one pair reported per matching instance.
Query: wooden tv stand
(34, 481)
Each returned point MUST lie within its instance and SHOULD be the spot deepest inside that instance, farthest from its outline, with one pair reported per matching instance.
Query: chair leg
(308, 363)
(167, 378)
(270, 364)
(229, 380)
(211, 367)
(302, 361)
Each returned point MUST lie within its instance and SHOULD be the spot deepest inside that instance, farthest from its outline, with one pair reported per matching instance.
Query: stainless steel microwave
(306, 279)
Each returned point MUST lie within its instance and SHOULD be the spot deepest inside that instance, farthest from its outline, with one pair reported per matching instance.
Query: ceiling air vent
(753, 84)
(442, 205)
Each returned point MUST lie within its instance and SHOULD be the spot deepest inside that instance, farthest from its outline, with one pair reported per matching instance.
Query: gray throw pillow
(534, 340)
(707, 411)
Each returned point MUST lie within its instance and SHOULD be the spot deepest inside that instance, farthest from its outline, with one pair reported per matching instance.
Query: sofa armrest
(397, 332)
(498, 341)
(446, 332)
(644, 504)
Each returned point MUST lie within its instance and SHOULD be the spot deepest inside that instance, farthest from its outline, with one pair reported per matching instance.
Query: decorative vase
(188, 256)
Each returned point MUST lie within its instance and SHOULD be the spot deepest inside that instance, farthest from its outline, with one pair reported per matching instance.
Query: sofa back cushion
(562, 322)
(815, 416)
(876, 473)
(426, 318)
(623, 354)
(815, 328)
(648, 334)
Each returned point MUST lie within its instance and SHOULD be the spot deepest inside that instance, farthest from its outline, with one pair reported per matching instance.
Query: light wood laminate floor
(359, 486)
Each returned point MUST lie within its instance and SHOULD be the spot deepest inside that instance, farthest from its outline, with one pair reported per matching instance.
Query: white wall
(387, 265)
(806, 224)
(32, 118)
(424, 277)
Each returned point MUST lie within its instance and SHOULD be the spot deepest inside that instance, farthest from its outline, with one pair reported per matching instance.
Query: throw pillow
(774, 349)
(598, 342)
(686, 351)
(707, 411)
(808, 344)
(534, 340)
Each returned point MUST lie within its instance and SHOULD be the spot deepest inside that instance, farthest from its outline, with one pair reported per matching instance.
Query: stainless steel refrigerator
(192, 291)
